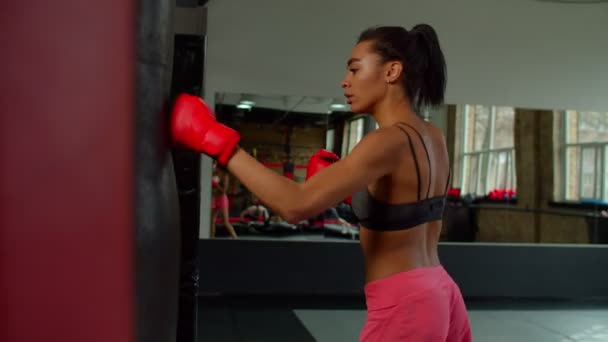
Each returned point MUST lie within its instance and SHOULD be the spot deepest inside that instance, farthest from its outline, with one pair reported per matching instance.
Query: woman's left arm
(371, 159)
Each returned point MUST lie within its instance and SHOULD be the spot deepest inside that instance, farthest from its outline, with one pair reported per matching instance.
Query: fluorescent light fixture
(248, 103)
(337, 106)
(243, 106)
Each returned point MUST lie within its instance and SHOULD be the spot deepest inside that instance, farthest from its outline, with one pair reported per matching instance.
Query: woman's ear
(394, 69)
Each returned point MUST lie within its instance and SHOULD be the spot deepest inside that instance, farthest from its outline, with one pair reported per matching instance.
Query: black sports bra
(377, 215)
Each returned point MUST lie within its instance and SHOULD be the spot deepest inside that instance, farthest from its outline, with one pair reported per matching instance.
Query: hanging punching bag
(157, 207)
(187, 77)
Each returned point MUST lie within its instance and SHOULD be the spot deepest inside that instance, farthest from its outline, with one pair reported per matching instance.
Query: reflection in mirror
(518, 175)
(283, 132)
(522, 175)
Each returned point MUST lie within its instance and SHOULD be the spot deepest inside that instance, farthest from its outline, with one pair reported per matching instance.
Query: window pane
(599, 159)
(510, 183)
(492, 171)
(329, 139)
(360, 128)
(459, 148)
(472, 166)
(571, 127)
(588, 173)
(355, 133)
(605, 183)
(500, 171)
(468, 128)
(482, 171)
(481, 133)
(503, 127)
(464, 180)
(513, 170)
(572, 176)
(345, 139)
(592, 127)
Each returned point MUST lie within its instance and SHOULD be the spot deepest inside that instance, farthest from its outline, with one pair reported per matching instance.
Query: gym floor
(340, 319)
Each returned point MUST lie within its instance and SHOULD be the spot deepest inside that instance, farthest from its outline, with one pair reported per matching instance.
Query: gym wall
(268, 140)
(563, 67)
(525, 54)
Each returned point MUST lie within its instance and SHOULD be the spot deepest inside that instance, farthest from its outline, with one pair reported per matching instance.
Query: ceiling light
(243, 106)
(248, 103)
(337, 106)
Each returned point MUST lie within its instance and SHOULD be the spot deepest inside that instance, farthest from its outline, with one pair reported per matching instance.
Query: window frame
(481, 181)
(346, 141)
(330, 134)
(600, 186)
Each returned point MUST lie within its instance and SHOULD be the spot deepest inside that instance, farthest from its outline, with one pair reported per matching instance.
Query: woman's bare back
(390, 252)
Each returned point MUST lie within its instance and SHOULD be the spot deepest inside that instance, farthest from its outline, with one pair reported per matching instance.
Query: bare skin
(382, 162)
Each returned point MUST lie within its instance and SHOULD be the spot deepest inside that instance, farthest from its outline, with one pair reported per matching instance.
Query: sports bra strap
(415, 159)
(428, 157)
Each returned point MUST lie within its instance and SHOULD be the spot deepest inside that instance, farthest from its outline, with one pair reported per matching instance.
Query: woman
(398, 175)
(219, 200)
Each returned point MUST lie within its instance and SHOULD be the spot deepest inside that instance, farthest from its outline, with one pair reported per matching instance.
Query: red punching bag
(66, 180)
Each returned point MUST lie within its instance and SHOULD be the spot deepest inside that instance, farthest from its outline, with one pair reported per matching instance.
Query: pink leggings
(422, 304)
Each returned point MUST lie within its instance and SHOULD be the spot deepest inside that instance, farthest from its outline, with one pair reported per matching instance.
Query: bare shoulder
(375, 155)
(441, 137)
(435, 133)
(438, 139)
(382, 143)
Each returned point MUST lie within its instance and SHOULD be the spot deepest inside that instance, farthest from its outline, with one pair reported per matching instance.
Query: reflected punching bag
(157, 207)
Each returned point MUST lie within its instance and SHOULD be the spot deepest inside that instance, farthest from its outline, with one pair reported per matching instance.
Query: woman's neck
(392, 110)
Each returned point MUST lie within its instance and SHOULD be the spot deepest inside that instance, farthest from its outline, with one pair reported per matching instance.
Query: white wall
(524, 53)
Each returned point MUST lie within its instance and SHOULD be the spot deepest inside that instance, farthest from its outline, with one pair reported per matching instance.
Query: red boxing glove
(349, 200)
(193, 126)
(319, 161)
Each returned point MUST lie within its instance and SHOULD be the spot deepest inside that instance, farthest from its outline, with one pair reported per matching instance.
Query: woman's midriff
(390, 252)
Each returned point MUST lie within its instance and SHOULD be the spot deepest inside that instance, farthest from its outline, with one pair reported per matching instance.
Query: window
(329, 139)
(583, 155)
(485, 153)
(353, 133)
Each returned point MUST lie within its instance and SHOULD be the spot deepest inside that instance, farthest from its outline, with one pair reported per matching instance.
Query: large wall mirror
(519, 175)
(525, 120)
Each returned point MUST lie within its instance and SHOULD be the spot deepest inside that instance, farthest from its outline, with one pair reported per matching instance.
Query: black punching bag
(187, 77)
(157, 207)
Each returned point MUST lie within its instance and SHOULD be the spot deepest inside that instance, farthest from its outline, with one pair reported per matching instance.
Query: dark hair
(419, 51)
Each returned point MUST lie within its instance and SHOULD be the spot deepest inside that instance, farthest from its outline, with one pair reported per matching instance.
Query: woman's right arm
(372, 158)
